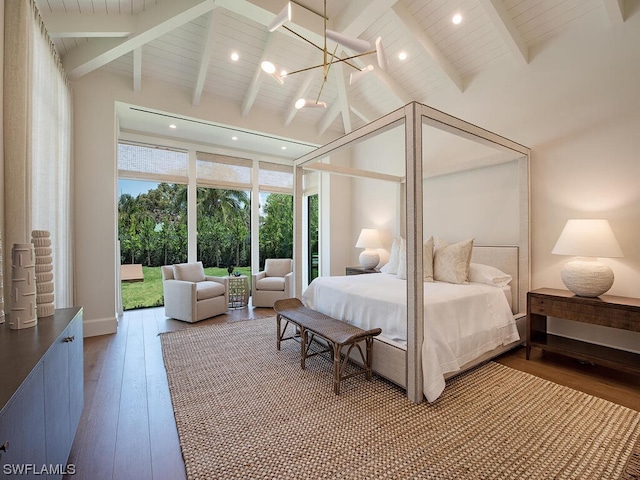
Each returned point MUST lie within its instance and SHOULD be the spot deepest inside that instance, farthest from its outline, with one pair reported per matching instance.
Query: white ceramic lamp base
(369, 258)
(587, 277)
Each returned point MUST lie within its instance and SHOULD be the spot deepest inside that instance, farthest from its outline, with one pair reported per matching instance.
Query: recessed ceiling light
(283, 147)
(234, 138)
(457, 18)
(402, 55)
(234, 56)
(172, 126)
(283, 73)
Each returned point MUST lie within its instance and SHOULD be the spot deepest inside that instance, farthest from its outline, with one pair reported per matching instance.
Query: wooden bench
(336, 333)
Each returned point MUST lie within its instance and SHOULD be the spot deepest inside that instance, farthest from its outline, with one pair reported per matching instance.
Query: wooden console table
(41, 393)
(605, 310)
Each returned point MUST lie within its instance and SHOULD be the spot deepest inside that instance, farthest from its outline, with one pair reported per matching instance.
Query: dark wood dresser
(41, 394)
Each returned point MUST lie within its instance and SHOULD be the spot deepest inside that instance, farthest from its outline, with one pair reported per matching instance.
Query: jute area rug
(246, 411)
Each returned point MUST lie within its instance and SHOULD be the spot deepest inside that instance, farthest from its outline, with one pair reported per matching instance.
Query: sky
(134, 187)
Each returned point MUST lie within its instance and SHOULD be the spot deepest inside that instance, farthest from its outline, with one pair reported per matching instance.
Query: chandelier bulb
(303, 103)
(268, 67)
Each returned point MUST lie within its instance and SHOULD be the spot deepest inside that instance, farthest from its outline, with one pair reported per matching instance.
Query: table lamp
(369, 239)
(587, 239)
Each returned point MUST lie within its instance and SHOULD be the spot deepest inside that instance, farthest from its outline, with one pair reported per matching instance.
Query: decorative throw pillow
(392, 265)
(427, 259)
(190, 272)
(451, 261)
(480, 273)
(402, 260)
(277, 267)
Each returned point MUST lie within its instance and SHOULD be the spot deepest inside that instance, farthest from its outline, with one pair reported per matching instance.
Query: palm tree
(229, 208)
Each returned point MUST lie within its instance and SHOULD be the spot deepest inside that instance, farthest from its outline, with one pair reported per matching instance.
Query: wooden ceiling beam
(258, 75)
(343, 100)
(205, 60)
(332, 112)
(615, 11)
(427, 46)
(300, 93)
(507, 29)
(149, 25)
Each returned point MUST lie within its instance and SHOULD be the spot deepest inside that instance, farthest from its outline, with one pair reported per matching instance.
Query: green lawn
(149, 292)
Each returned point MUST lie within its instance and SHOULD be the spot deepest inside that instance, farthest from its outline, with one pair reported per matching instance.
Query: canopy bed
(436, 148)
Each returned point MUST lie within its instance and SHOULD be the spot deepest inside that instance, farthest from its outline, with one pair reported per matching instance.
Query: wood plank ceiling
(188, 43)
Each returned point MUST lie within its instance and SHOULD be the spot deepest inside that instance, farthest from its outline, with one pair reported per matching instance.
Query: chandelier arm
(303, 38)
(336, 60)
(322, 50)
(352, 57)
(304, 69)
(326, 74)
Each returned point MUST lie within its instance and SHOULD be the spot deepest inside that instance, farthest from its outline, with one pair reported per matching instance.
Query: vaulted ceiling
(189, 43)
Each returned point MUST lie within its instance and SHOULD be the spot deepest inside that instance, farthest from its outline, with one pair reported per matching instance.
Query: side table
(606, 310)
(360, 270)
(238, 291)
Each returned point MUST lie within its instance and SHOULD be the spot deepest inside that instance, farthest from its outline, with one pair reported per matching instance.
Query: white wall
(96, 175)
(576, 105)
(375, 203)
(482, 204)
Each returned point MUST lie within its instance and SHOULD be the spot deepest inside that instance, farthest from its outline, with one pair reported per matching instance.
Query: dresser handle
(4, 446)
(69, 339)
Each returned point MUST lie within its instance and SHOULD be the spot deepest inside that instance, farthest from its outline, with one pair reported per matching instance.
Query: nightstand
(605, 310)
(360, 270)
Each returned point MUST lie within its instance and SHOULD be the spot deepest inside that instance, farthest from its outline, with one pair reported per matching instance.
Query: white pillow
(392, 265)
(480, 273)
(402, 260)
(191, 272)
(427, 259)
(451, 262)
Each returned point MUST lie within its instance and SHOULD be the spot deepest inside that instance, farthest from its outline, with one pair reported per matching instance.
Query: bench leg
(278, 335)
(303, 346)
(336, 368)
(369, 341)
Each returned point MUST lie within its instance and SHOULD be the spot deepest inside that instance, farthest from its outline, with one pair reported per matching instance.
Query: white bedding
(461, 321)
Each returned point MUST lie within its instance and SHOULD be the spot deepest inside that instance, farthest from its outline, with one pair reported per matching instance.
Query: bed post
(297, 231)
(414, 227)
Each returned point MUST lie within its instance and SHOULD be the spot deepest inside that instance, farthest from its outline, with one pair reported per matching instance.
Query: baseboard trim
(100, 326)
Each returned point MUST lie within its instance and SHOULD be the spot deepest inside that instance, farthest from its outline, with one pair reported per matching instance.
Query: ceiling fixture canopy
(360, 48)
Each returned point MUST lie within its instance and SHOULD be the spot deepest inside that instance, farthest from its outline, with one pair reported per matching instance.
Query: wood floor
(127, 429)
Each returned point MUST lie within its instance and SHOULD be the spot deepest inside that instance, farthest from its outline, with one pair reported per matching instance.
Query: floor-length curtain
(37, 137)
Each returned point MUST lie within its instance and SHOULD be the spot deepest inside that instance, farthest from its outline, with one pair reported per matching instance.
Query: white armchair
(274, 283)
(190, 295)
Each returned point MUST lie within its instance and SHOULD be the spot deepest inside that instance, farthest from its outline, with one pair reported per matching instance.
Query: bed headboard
(506, 259)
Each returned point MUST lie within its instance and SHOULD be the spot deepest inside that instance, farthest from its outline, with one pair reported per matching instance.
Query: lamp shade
(587, 238)
(283, 17)
(356, 44)
(369, 238)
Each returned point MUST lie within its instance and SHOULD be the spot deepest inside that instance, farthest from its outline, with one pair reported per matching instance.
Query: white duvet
(461, 321)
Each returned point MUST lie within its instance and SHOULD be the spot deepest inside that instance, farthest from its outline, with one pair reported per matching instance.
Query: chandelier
(360, 48)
